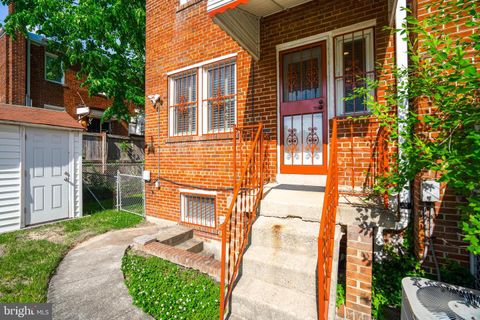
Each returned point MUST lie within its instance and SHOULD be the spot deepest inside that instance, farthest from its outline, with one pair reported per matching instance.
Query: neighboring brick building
(24, 71)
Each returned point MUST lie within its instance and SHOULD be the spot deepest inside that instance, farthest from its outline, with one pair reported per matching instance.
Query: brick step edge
(184, 258)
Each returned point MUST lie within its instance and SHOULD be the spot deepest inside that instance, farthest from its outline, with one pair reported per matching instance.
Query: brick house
(31, 79)
(222, 67)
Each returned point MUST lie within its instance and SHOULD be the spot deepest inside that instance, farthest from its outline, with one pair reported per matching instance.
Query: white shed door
(47, 175)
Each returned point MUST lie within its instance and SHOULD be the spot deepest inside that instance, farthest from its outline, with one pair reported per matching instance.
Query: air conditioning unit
(424, 299)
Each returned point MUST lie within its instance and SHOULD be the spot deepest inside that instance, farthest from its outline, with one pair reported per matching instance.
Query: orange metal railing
(248, 167)
(326, 233)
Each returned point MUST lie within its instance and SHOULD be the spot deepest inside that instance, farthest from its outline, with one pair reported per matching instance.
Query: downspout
(401, 56)
(28, 101)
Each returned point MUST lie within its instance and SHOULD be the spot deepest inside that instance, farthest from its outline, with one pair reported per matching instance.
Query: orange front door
(303, 110)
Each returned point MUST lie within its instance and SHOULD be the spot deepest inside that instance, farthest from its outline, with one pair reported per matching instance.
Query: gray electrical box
(430, 191)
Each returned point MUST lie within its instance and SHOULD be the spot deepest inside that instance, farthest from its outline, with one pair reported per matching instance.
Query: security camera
(154, 98)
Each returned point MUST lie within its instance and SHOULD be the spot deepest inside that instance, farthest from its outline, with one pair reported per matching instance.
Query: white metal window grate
(221, 96)
(184, 106)
(198, 210)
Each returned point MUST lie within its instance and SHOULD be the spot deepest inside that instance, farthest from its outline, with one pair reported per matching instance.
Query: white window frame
(369, 36)
(54, 56)
(202, 94)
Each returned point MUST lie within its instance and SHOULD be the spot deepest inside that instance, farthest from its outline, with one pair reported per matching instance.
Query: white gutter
(401, 56)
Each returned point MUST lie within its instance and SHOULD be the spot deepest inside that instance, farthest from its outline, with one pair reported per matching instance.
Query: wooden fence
(103, 148)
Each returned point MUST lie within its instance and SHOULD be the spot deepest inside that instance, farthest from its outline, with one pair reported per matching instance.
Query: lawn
(28, 258)
(168, 291)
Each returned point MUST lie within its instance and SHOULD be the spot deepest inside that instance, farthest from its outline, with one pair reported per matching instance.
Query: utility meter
(430, 191)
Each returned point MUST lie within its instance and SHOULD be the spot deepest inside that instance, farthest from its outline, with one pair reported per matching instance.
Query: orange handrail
(326, 233)
(247, 194)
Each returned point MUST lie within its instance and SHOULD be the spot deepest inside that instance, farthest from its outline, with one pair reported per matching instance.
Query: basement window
(198, 209)
(354, 62)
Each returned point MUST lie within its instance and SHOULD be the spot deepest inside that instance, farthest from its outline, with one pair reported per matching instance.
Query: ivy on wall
(440, 132)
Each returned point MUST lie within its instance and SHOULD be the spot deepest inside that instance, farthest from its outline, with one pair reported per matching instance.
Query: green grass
(28, 258)
(168, 291)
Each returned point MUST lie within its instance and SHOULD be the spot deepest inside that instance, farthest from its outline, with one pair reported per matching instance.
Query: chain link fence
(100, 183)
(131, 193)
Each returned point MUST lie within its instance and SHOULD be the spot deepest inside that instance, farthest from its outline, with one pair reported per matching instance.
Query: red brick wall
(13, 69)
(3, 68)
(176, 39)
(179, 38)
(359, 273)
(447, 235)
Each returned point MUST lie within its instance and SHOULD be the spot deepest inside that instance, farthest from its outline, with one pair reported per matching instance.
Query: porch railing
(326, 233)
(248, 189)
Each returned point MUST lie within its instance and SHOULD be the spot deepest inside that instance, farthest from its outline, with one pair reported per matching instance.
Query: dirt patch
(55, 234)
(3, 250)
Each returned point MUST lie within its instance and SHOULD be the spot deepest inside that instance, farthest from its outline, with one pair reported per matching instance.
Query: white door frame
(328, 37)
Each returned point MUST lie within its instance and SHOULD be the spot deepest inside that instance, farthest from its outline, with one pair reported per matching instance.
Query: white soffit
(264, 8)
(241, 18)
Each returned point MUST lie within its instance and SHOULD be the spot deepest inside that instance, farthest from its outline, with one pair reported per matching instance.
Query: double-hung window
(183, 109)
(203, 99)
(221, 94)
(354, 64)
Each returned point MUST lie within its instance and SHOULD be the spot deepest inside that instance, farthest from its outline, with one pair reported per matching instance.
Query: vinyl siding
(10, 178)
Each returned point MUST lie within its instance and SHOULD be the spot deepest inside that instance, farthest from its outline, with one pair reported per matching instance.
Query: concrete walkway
(89, 284)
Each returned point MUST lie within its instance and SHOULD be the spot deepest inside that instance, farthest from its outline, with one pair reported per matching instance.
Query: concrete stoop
(278, 275)
(178, 245)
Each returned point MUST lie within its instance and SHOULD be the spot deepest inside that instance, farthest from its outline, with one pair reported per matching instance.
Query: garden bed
(168, 291)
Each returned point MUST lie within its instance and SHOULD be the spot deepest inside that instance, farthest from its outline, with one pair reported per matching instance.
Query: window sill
(208, 137)
(354, 115)
(56, 82)
(187, 5)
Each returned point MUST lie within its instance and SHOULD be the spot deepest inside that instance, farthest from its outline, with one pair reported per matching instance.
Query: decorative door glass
(303, 139)
(302, 79)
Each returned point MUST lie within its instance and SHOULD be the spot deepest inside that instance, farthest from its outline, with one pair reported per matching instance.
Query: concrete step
(191, 245)
(256, 299)
(302, 179)
(285, 201)
(285, 269)
(174, 235)
(288, 235)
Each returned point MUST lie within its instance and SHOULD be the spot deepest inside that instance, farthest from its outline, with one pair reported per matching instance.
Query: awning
(241, 18)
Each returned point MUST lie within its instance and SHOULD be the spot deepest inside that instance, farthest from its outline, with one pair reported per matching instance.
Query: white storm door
(47, 175)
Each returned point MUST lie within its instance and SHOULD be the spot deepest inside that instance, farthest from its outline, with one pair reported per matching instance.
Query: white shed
(40, 166)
